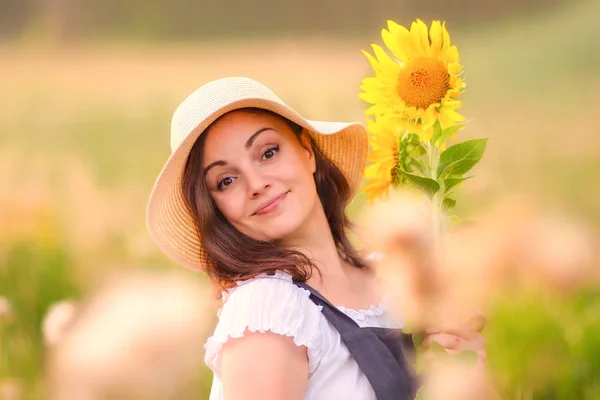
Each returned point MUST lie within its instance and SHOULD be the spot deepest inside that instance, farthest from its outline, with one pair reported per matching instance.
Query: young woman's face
(260, 174)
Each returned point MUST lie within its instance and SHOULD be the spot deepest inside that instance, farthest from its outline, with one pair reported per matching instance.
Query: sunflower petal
(446, 37)
(405, 42)
(453, 92)
(384, 60)
(391, 41)
(374, 63)
(371, 110)
(436, 38)
(371, 170)
(429, 118)
(368, 97)
(418, 35)
(448, 117)
(451, 55)
(454, 68)
(393, 27)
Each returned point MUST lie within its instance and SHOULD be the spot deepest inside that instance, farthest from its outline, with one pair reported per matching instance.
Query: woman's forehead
(233, 130)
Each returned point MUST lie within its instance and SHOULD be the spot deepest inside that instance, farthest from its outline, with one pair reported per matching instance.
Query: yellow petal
(456, 83)
(427, 134)
(451, 55)
(418, 35)
(371, 83)
(393, 27)
(452, 104)
(371, 170)
(391, 41)
(405, 41)
(368, 97)
(374, 171)
(448, 117)
(411, 112)
(384, 60)
(446, 37)
(371, 110)
(429, 118)
(374, 63)
(454, 68)
(454, 92)
(424, 37)
(435, 34)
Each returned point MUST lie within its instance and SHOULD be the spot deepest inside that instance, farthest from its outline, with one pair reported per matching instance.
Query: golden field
(84, 131)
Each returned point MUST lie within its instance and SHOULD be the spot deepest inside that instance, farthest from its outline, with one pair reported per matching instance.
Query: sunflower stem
(436, 204)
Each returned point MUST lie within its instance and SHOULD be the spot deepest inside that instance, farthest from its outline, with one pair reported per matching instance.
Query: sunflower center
(423, 82)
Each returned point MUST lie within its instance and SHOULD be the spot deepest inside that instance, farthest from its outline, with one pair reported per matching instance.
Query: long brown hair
(233, 256)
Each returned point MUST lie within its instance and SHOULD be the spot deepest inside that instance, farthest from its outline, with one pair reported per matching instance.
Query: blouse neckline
(361, 314)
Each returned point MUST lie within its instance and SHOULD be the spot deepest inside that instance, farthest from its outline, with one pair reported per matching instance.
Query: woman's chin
(279, 233)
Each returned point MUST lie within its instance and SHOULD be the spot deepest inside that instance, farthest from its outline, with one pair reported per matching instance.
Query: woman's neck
(314, 239)
(337, 280)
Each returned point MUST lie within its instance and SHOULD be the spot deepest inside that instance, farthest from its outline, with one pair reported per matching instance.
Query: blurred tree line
(68, 20)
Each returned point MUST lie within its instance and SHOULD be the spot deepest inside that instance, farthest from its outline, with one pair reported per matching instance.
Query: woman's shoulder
(274, 296)
(267, 303)
(263, 285)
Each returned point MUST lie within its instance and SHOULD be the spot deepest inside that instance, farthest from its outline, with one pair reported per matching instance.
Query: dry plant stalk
(10, 389)
(6, 311)
(513, 247)
(140, 337)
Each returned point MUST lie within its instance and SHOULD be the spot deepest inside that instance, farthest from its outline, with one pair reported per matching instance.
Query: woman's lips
(271, 205)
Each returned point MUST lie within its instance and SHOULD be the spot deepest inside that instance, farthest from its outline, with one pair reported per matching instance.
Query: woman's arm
(264, 366)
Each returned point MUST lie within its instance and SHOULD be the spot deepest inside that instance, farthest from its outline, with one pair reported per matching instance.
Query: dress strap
(342, 322)
(378, 352)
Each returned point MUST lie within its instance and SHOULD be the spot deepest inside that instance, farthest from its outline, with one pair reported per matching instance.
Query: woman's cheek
(229, 206)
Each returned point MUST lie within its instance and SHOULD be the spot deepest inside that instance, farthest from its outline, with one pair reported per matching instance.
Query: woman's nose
(257, 183)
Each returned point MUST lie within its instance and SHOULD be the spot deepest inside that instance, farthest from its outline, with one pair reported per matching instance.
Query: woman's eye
(223, 183)
(270, 153)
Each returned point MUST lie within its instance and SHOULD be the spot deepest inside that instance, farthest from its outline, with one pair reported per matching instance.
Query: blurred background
(87, 89)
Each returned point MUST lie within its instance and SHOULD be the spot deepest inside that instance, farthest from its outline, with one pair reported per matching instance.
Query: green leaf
(412, 144)
(437, 132)
(448, 204)
(451, 182)
(461, 157)
(427, 185)
(418, 165)
(448, 132)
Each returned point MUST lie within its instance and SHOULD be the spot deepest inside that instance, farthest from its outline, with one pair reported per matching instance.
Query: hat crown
(211, 98)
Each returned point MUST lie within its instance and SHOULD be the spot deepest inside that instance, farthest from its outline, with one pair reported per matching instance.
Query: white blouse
(275, 304)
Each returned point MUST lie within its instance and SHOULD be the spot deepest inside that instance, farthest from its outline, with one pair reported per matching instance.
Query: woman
(254, 194)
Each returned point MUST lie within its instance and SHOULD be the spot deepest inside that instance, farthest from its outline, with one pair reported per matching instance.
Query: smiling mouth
(270, 205)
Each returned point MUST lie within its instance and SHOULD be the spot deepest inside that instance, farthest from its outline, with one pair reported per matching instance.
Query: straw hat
(169, 222)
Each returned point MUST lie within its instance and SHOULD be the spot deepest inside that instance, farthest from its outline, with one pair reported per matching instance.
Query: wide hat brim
(169, 222)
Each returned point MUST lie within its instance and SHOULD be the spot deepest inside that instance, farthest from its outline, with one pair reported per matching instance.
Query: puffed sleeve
(267, 304)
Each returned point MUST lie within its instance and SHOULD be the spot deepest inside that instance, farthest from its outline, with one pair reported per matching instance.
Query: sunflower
(383, 158)
(421, 84)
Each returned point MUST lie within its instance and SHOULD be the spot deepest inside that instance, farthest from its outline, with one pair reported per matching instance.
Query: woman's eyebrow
(255, 135)
(247, 145)
(213, 164)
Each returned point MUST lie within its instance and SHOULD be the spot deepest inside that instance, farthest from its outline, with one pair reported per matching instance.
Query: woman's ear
(307, 145)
